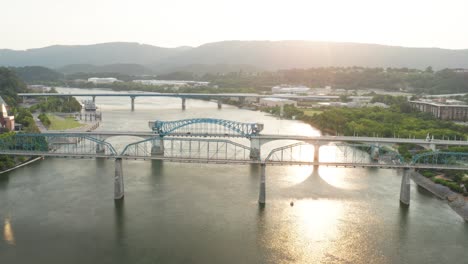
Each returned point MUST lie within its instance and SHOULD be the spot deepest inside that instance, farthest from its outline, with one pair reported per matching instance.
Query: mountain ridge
(261, 55)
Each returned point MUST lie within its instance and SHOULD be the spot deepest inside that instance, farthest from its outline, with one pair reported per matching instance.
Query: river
(63, 211)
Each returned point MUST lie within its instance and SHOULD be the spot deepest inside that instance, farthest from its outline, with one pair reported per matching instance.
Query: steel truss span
(206, 126)
(190, 149)
(223, 150)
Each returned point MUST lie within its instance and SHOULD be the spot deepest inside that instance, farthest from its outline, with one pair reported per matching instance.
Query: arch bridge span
(206, 127)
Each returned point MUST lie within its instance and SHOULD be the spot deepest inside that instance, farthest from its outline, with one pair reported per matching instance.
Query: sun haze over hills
(137, 58)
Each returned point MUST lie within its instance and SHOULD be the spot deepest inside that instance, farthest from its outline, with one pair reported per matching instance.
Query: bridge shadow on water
(315, 187)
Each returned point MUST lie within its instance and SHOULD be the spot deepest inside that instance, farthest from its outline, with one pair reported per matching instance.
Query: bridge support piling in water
(158, 148)
(405, 187)
(133, 102)
(219, 104)
(183, 103)
(118, 180)
(262, 194)
(316, 152)
(255, 147)
(100, 149)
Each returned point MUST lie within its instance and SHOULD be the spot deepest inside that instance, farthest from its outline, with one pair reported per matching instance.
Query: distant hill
(128, 69)
(134, 58)
(97, 54)
(30, 74)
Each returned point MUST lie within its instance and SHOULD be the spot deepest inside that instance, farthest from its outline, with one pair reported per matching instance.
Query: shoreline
(455, 200)
(21, 165)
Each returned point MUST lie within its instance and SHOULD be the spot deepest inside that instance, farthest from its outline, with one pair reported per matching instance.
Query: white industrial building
(290, 89)
(172, 82)
(96, 80)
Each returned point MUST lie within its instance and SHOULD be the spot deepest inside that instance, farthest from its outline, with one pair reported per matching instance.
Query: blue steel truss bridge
(219, 141)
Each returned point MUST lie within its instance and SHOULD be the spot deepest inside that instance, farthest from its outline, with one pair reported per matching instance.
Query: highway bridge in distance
(219, 97)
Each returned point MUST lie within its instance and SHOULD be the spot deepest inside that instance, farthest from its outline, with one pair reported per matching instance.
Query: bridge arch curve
(206, 126)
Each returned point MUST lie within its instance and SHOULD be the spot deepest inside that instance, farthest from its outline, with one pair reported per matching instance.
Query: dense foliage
(36, 74)
(10, 86)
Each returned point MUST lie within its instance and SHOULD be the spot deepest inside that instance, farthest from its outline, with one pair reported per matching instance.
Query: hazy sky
(416, 23)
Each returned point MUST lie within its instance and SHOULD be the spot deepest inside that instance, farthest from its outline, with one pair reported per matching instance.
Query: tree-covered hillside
(10, 86)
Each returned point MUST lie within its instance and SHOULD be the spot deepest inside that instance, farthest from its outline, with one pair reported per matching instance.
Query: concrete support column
(241, 101)
(375, 152)
(118, 180)
(158, 147)
(281, 110)
(262, 194)
(316, 152)
(133, 102)
(255, 146)
(183, 103)
(219, 104)
(100, 148)
(405, 187)
(94, 99)
(24, 99)
(433, 147)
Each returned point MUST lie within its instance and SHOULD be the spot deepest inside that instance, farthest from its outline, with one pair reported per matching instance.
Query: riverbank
(21, 165)
(456, 201)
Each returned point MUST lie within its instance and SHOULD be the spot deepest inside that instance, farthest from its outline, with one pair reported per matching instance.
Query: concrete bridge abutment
(118, 180)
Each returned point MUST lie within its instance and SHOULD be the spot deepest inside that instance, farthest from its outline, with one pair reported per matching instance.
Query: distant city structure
(6, 121)
(96, 80)
(443, 109)
(177, 83)
(272, 102)
(290, 89)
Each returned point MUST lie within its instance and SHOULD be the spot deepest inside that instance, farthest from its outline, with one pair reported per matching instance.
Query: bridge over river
(217, 141)
(184, 96)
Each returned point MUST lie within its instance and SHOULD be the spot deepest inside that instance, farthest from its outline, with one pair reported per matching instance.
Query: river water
(63, 211)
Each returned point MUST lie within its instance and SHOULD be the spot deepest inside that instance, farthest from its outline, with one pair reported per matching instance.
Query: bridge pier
(241, 101)
(133, 102)
(158, 148)
(118, 180)
(100, 149)
(94, 99)
(255, 147)
(281, 111)
(183, 103)
(317, 152)
(219, 104)
(262, 194)
(405, 187)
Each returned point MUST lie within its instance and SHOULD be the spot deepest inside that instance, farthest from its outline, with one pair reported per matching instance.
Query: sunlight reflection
(8, 232)
(318, 219)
